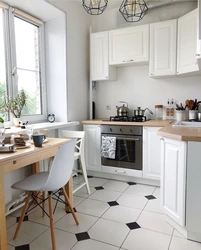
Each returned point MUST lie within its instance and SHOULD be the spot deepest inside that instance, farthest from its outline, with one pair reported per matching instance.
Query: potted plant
(14, 105)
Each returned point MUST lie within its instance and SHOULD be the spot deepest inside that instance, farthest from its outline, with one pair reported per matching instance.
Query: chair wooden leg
(84, 172)
(70, 206)
(22, 216)
(52, 222)
(43, 204)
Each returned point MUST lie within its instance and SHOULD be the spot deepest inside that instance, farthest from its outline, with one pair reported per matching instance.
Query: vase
(16, 121)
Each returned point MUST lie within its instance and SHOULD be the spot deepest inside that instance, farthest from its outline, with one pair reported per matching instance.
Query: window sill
(44, 125)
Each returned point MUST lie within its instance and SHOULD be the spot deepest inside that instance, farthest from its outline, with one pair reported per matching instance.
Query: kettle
(122, 110)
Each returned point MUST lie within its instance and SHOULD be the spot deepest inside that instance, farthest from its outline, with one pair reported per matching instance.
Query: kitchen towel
(108, 147)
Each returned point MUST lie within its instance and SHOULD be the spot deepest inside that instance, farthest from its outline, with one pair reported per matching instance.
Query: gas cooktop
(128, 119)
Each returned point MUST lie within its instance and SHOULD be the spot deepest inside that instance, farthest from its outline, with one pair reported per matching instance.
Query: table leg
(3, 236)
(69, 191)
(35, 170)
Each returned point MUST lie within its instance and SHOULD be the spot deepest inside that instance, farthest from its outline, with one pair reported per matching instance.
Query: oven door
(128, 153)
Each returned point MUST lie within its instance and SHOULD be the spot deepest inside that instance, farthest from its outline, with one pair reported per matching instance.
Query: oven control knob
(110, 130)
(120, 130)
(131, 130)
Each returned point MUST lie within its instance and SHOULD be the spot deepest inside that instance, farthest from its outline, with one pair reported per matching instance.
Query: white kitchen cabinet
(129, 45)
(188, 47)
(151, 153)
(100, 69)
(92, 147)
(173, 179)
(163, 43)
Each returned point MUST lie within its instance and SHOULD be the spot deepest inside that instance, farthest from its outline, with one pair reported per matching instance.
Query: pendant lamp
(94, 7)
(133, 10)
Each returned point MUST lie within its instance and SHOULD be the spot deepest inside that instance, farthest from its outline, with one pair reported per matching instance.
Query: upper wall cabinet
(188, 48)
(100, 69)
(163, 42)
(129, 45)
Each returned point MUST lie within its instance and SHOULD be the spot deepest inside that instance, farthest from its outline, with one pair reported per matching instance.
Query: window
(24, 52)
(3, 81)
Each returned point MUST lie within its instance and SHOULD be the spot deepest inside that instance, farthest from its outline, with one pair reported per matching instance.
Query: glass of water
(29, 131)
(2, 136)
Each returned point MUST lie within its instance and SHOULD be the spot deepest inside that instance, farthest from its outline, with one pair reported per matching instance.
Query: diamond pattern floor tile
(110, 232)
(105, 195)
(155, 222)
(93, 245)
(93, 207)
(118, 186)
(122, 214)
(183, 244)
(28, 232)
(82, 236)
(67, 223)
(143, 239)
(64, 241)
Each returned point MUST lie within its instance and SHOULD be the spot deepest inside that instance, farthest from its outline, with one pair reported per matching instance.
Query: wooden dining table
(21, 158)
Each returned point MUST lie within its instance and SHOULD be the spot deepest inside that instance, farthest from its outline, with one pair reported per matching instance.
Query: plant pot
(16, 121)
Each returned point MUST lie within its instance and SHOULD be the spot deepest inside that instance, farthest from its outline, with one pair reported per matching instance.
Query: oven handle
(128, 138)
(121, 137)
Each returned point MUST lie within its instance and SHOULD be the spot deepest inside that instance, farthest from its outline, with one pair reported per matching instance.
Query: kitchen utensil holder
(193, 114)
(181, 115)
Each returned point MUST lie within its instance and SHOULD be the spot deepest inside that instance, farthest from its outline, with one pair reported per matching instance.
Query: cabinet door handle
(131, 60)
(162, 139)
(121, 172)
(197, 54)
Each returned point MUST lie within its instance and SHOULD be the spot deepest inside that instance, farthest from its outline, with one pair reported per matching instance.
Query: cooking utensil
(122, 110)
(191, 104)
(187, 103)
(140, 112)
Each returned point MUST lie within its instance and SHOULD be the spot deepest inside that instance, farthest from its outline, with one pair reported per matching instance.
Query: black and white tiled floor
(116, 216)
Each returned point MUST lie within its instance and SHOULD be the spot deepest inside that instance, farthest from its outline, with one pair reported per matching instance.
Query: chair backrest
(79, 135)
(62, 166)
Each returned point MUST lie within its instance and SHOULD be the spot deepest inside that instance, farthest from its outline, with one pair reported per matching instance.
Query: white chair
(51, 182)
(79, 155)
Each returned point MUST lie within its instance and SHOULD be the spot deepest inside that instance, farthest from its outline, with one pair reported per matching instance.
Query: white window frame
(11, 64)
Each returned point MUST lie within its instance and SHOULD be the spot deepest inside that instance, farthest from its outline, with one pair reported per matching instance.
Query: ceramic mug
(38, 140)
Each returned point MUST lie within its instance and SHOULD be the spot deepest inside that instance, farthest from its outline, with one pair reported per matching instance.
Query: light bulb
(133, 6)
(95, 3)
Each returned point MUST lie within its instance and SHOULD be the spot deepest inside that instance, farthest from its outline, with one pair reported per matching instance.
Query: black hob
(128, 119)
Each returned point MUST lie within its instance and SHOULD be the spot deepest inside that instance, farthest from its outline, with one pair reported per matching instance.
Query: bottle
(168, 109)
(172, 109)
(159, 112)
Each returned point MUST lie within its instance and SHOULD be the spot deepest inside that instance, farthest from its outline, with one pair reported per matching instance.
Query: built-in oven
(121, 146)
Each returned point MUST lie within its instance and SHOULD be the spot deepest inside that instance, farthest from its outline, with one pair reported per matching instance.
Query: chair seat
(32, 183)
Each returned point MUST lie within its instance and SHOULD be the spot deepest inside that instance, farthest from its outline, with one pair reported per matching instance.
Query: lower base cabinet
(173, 179)
(92, 147)
(151, 153)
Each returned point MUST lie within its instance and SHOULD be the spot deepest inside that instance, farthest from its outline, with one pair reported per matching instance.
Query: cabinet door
(100, 69)
(173, 179)
(188, 43)
(92, 147)
(151, 153)
(163, 42)
(129, 45)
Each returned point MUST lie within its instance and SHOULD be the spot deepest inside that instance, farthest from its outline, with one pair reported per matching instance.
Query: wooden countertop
(181, 134)
(150, 123)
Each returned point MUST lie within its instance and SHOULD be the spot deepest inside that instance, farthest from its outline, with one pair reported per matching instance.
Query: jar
(181, 115)
(159, 112)
(193, 114)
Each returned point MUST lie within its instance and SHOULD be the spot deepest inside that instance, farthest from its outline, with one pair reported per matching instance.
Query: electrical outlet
(108, 107)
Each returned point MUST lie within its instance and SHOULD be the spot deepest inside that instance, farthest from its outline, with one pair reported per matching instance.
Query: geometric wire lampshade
(133, 10)
(94, 7)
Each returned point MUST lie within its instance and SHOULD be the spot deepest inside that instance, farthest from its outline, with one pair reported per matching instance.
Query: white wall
(56, 73)
(78, 23)
(133, 83)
